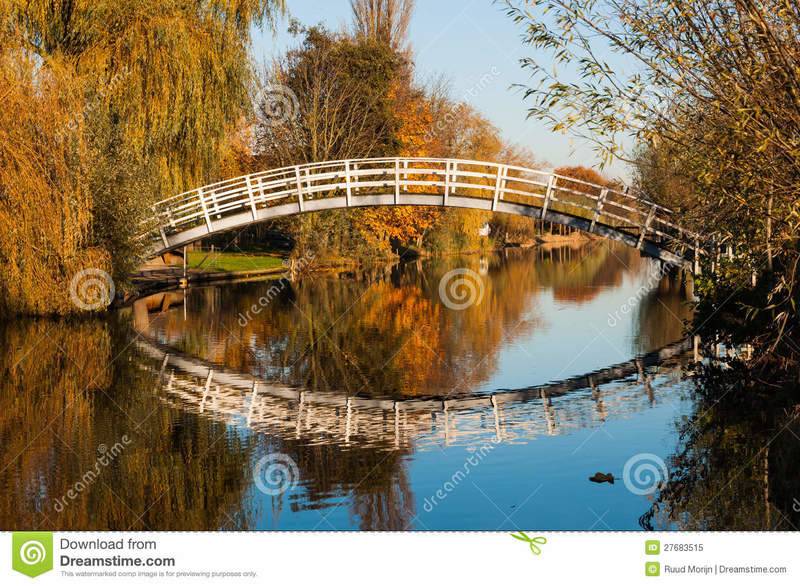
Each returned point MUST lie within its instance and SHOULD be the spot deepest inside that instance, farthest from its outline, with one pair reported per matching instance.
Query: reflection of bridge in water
(331, 418)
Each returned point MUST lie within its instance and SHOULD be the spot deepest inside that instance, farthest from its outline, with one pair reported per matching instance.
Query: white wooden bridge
(612, 213)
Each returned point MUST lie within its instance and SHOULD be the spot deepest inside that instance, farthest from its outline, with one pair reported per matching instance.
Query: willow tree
(174, 74)
(155, 88)
(709, 93)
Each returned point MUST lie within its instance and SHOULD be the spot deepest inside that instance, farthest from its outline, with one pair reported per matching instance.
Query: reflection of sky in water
(573, 338)
(541, 484)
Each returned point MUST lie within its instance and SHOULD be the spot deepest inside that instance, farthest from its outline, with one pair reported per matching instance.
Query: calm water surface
(357, 401)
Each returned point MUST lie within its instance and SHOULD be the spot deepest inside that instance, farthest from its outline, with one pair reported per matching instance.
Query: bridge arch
(616, 214)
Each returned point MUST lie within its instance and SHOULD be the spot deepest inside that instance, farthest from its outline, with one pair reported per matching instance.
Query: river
(377, 399)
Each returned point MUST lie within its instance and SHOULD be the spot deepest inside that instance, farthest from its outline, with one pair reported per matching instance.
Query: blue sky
(464, 40)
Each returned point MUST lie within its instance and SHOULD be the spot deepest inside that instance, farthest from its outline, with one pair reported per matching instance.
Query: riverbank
(210, 266)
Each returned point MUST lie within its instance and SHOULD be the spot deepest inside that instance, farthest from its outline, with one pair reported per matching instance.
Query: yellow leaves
(46, 208)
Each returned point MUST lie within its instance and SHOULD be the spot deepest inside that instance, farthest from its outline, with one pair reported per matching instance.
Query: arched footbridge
(616, 214)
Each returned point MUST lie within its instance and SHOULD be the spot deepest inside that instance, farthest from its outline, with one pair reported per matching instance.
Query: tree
(122, 103)
(385, 21)
(338, 91)
(713, 85)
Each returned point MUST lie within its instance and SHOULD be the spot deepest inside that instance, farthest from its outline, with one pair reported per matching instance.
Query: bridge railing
(397, 181)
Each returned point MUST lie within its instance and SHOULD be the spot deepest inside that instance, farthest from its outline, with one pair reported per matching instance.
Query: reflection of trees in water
(395, 321)
(579, 273)
(385, 331)
(662, 314)
(375, 480)
(62, 398)
(378, 332)
(735, 468)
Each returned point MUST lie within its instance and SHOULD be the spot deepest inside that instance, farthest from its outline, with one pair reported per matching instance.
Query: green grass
(229, 262)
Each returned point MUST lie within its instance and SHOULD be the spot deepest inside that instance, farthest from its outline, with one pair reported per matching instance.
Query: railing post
(251, 197)
(157, 215)
(299, 188)
(253, 397)
(170, 219)
(499, 185)
(397, 181)
(646, 226)
(205, 208)
(551, 185)
(308, 182)
(347, 183)
(446, 181)
(601, 202)
(163, 237)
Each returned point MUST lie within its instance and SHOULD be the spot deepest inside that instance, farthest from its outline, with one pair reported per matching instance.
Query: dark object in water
(600, 478)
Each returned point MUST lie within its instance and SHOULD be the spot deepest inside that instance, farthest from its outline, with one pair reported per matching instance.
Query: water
(376, 404)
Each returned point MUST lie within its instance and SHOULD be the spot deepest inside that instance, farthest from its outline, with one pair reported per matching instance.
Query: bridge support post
(687, 285)
(696, 268)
